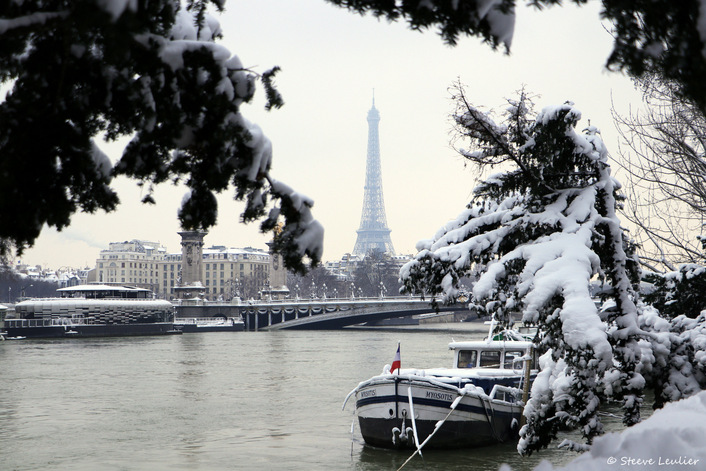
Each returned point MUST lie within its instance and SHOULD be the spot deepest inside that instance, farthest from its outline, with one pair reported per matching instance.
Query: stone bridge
(315, 314)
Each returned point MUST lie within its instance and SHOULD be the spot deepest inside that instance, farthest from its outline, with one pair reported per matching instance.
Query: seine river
(215, 401)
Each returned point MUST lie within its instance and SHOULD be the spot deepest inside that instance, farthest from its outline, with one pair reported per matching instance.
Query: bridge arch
(333, 314)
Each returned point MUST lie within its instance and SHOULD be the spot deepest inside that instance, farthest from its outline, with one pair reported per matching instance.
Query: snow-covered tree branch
(153, 71)
(150, 71)
(536, 237)
(656, 36)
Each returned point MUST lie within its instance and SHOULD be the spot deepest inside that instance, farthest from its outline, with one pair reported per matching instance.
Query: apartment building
(226, 273)
(131, 262)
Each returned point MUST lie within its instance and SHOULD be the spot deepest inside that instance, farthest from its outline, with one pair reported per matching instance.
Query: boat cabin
(99, 291)
(508, 355)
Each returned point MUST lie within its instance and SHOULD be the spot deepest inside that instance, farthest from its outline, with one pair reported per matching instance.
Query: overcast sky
(331, 61)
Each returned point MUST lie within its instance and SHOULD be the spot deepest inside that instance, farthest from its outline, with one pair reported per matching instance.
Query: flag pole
(397, 362)
(398, 351)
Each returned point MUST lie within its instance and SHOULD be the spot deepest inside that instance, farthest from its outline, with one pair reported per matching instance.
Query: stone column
(277, 281)
(191, 263)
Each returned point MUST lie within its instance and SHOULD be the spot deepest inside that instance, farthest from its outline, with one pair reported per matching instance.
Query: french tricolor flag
(397, 362)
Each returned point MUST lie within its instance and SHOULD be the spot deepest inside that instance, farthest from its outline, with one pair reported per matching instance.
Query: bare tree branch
(665, 164)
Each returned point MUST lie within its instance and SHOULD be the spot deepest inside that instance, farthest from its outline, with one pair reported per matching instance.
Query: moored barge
(477, 402)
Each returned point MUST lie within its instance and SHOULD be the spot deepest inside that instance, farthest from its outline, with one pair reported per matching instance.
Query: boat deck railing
(91, 298)
(63, 321)
(504, 393)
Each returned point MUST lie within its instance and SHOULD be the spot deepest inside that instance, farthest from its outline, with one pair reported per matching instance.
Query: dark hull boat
(17, 328)
(477, 402)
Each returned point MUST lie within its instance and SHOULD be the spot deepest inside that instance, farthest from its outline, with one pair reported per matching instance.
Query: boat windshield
(467, 359)
(509, 359)
(490, 359)
(512, 359)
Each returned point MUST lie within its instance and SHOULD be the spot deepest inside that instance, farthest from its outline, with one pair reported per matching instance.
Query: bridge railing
(321, 300)
(278, 315)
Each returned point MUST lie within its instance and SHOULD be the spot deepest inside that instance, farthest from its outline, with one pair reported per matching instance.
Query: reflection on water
(215, 401)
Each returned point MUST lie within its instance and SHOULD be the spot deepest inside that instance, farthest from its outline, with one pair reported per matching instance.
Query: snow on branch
(149, 71)
(534, 238)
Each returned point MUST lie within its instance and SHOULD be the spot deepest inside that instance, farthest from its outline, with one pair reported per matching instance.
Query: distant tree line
(377, 274)
(13, 287)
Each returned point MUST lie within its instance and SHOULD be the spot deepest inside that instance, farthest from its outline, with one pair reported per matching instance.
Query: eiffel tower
(373, 234)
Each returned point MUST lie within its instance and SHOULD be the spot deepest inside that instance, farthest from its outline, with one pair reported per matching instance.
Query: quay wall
(208, 310)
(445, 317)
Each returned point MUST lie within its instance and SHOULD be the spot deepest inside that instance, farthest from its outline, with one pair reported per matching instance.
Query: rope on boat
(436, 427)
(414, 422)
(490, 421)
(352, 433)
(349, 396)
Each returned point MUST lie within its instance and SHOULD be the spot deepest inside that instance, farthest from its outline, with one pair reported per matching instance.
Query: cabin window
(467, 358)
(511, 359)
(490, 359)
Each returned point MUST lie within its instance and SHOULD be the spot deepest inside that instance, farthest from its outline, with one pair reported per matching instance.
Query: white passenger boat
(94, 310)
(477, 402)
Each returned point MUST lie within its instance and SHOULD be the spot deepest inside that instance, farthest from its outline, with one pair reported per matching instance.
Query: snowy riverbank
(671, 439)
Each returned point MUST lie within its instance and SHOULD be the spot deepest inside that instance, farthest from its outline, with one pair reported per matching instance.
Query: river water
(216, 401)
